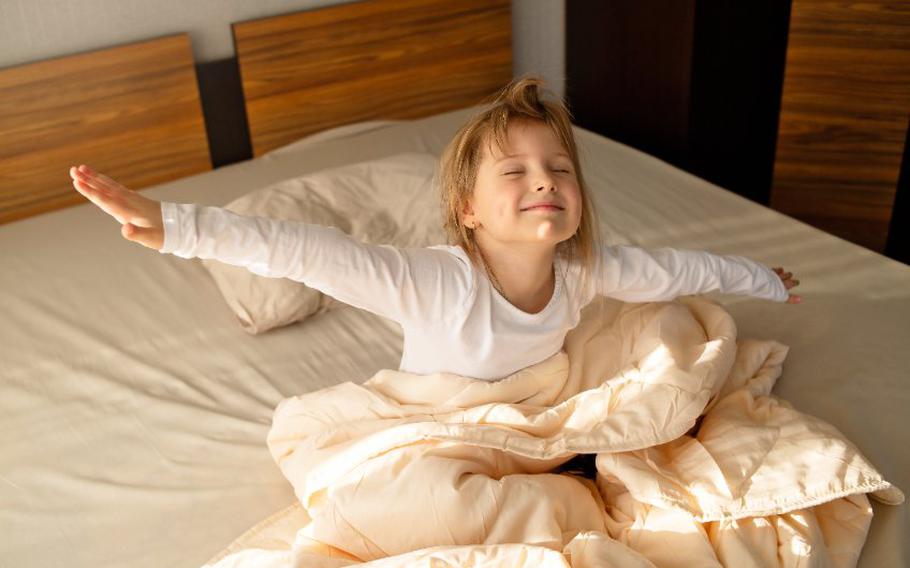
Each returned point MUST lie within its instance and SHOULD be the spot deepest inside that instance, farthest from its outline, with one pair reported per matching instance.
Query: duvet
(697, 462)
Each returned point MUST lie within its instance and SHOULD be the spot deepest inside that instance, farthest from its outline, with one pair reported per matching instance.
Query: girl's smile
(543, 209)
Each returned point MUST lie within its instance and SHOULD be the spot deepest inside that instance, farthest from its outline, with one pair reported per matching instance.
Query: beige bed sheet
(134, 409)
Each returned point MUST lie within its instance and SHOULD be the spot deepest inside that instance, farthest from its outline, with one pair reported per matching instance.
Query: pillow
(392, 200)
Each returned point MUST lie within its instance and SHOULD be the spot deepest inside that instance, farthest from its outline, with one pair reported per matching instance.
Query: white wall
(538, 40)
(31, 30)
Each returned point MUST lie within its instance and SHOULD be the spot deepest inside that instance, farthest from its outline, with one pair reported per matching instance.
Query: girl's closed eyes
(518, 172)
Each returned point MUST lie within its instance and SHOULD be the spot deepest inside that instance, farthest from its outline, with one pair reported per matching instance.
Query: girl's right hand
(139, 216)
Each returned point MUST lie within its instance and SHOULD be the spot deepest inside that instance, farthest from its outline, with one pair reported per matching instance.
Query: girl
(521, 264)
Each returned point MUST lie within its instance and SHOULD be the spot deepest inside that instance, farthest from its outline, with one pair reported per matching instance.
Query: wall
(31, 30)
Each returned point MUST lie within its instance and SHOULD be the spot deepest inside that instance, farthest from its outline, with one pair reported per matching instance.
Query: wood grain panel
(391, 59)
(130, 111)
(846, 101)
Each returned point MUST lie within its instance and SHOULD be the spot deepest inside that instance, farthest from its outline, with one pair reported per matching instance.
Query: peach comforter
(698, 464)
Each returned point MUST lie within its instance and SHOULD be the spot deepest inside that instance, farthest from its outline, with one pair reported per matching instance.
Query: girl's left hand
(789, 282)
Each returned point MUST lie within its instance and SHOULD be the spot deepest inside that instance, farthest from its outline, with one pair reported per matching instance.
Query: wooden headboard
(131, 111)
(134, 112)
(396, 59)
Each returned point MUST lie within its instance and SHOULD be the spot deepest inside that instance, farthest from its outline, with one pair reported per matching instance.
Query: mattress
(134, 409)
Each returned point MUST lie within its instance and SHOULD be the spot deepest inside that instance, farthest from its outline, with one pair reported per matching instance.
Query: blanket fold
(697, 462)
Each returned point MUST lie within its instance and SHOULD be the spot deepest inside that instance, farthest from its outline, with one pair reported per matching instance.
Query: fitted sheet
(134, 408)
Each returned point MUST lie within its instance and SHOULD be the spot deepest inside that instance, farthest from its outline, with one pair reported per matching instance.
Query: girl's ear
(467, 215)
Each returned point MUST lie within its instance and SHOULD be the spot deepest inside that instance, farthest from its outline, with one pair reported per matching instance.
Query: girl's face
(534, 169)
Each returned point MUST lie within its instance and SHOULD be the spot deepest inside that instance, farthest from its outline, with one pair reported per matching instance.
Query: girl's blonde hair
(519, 100)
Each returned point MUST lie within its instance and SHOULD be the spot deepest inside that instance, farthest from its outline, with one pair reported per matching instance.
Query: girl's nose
(546, 181)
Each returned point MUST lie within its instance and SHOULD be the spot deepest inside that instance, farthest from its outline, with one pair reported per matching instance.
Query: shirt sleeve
(635, 274)
(403, 284)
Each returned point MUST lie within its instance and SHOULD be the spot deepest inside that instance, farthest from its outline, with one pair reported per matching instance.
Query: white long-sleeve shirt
(453, 318)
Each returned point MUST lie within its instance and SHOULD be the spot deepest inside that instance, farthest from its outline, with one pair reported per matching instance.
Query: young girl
(521, 264)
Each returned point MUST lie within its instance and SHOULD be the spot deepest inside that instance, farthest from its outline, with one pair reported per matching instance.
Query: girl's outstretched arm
(411, 285)
(139, 217)
(636, 274)
(408, 285)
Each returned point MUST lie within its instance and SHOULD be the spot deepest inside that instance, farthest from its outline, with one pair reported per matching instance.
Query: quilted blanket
(694, 462)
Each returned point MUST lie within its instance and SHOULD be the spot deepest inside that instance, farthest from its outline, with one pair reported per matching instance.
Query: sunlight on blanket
(801, 522)
(800, 547)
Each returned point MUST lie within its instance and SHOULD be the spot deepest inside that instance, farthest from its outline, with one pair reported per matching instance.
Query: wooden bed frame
(131, 111)
(395, 59)
(134, 112)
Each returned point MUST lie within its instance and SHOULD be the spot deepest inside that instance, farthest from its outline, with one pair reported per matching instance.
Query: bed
(134, 408)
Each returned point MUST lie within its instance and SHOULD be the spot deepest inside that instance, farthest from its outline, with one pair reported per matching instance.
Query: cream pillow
(392, 200)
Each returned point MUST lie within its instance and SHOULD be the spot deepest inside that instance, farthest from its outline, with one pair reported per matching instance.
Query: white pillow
(393, 200)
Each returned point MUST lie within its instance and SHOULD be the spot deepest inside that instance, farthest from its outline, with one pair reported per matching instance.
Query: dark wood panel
(737, 78)
(898, 246)
(308, 71)
(225, 114)
(132, 111)
(629, 70)
(695, 83)
(844, 117)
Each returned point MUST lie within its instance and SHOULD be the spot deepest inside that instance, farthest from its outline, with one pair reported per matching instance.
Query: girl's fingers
(110, 183)
(785, 276)
(88, 191)
(96, 179)
(80, 170)
(90, 187)
(106, 182)
(86, 171)
(76, 174)
(789, 282)
(107, 204)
